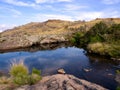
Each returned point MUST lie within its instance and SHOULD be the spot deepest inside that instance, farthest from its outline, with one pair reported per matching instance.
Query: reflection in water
(73, 60)
(39, 47)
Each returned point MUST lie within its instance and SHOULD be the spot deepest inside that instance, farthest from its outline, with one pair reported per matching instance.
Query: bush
(20, 74)
(96, 38)
(114, 51)
(76, 38)
(35, 71)
(21, 79)
(35, 76)
(18, 69)
(107, 36)
(72, 40)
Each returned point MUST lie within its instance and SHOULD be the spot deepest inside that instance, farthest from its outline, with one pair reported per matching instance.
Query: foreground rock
(62, 82)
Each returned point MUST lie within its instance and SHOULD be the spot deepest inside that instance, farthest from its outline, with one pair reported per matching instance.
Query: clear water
(73, 60)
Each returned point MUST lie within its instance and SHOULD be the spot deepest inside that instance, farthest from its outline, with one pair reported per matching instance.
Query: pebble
(87, 70)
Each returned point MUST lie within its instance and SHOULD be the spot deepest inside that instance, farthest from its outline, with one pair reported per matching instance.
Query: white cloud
(81, 15)
(114, 14)
(11, 11)
(15, 13)
(65, 0)
(110, 1)
(90, 15)
(4, 27)
(44, 17)
(40, 1)
(51, 1)
(19, 3)
(74, 7)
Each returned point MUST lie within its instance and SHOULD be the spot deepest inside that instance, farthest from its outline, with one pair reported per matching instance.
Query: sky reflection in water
(73, 60)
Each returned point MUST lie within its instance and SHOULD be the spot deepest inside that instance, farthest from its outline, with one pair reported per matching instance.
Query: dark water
(73, 60)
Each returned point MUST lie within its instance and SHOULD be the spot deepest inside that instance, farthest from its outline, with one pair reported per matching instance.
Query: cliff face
(62, 82)
(51, 31)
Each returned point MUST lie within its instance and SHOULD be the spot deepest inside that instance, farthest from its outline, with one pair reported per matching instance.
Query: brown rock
(62, 82)
(61, 71)
(52, 39)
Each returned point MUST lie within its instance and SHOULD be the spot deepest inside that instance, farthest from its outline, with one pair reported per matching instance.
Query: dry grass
(17, 37)
(51, 26)
(99, 47)
(5, 80)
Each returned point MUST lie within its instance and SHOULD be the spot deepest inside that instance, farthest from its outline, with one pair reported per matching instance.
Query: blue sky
(18, 12)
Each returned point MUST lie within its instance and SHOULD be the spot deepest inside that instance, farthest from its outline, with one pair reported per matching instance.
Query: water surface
(72, 59)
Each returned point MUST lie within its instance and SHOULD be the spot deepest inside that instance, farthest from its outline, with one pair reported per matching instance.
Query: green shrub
(107, 36)
(35, 76)
(35, 71)
(21, 79)
(76, 38)
(96, 38)
(72, 40)
(17, 69)
(114, 51)
(20, 74)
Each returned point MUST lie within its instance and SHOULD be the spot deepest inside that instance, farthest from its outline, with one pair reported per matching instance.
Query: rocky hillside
(51, 31)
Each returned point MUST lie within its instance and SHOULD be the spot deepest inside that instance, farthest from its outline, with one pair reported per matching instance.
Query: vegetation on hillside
(100, 36)
(102, 39)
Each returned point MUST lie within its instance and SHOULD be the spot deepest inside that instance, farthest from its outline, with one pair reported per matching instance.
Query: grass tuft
(18, 68)
(20, 74)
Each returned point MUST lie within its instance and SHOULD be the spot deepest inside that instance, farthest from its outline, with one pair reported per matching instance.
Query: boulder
(62, 82)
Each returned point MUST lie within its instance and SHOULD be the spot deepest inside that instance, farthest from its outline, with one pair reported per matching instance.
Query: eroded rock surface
(62, 82)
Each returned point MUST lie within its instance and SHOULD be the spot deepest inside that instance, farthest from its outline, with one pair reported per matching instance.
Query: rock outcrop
(62, 82)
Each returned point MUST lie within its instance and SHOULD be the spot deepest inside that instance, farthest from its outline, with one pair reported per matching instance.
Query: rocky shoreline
(30, 41)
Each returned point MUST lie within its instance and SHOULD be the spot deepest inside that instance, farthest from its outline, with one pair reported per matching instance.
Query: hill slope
(51, 31)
